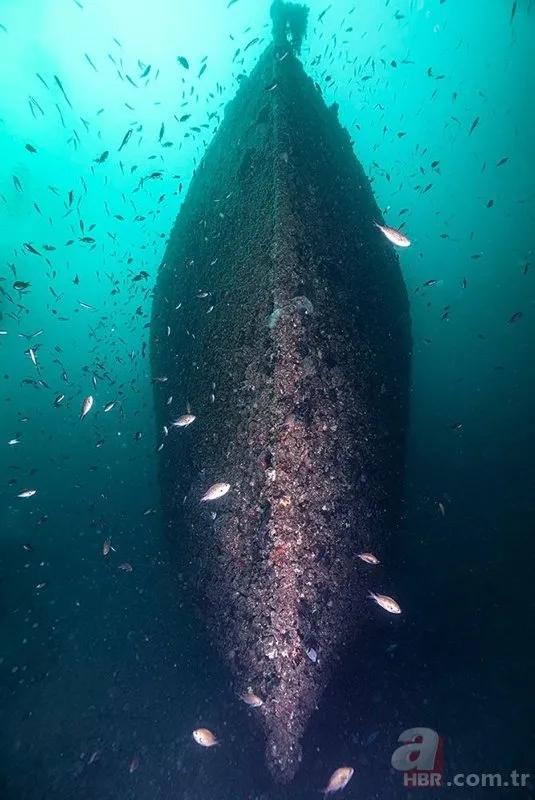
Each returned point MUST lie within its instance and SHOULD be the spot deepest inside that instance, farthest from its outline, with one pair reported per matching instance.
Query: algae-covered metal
(281, 323)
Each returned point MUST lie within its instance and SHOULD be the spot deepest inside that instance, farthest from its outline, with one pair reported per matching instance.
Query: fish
(215, 491)
(183, 61)
(369, 558)
(473, 126)
(373, 736)
(338, 780)
(109, 406)
(251, 699)
(31, 249)
(62, 90)
(87, 405)
(513, 12)
(126, 567)
(184, 421)
(14, 441)
(20, 286)
(502, 161)
(393, 235)
(102, 157)
(204, 737)
(134, 764)
(59, 400)
(386, 602)
(90, 62)
(27, 493)
(106, 546)
(517, 315)
(126, 137)
(30, 148)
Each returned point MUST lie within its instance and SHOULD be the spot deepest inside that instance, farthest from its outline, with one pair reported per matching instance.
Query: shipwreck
(281, 322)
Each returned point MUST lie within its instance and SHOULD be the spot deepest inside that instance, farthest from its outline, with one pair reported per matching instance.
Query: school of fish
(130, 276)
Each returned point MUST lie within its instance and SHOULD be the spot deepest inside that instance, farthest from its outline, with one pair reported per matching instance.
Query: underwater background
(105, 672)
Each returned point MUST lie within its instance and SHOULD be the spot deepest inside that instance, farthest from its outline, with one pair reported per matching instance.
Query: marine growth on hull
(280, 321)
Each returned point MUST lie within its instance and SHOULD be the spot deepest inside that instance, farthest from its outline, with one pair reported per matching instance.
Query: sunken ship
(281, 323)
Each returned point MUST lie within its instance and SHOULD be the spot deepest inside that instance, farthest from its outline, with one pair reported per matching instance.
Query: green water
(99, 659)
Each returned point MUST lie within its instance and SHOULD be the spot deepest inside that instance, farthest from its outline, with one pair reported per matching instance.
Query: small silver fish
(109, 406)
(59, 400)
(184, 421)
(369, 558)
(215, 492)
(27, 493)
(87, 405)
(386, 602)
(339, 780)
(251, 699)
(393, 235)
(371, 738)
(204, 737)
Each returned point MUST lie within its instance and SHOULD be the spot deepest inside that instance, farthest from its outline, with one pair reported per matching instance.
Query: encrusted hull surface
(299, 380)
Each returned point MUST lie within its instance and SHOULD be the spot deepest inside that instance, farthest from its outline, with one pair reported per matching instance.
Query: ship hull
(281, 321)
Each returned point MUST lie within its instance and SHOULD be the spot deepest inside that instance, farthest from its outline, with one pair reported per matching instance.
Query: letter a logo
(421, 751)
